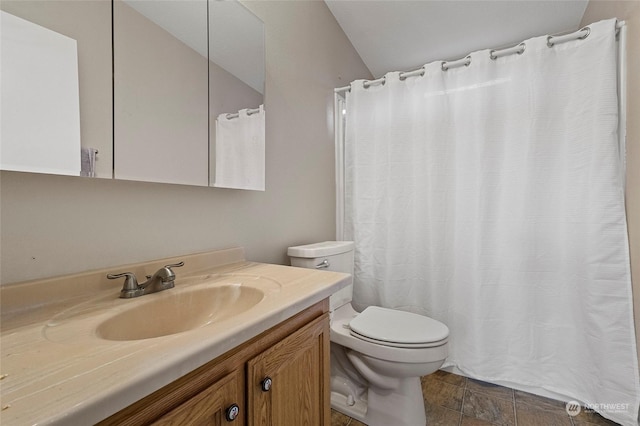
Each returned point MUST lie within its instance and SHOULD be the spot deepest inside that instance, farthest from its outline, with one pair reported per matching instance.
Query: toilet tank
(327, 256)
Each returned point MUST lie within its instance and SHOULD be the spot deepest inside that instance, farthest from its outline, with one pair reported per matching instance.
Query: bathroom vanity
(259, 356)
(280, 377)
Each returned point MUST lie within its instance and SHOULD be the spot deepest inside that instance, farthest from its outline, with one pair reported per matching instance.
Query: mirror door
(56, 87)
(160, 91)
(236, 96)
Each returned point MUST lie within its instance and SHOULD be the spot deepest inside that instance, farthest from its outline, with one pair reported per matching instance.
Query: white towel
(88, 161)
(240, 157)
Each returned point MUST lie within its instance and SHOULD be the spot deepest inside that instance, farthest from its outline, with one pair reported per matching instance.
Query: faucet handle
(130, 282)
(169, 275)
(168, 267)
(175, 265)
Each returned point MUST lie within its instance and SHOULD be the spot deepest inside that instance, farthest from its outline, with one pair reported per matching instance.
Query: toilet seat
(342, 335)
(390, 327)
(399, 345)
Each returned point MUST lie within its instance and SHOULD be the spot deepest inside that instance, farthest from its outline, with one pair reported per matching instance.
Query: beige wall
(628, 11)
(52, 225)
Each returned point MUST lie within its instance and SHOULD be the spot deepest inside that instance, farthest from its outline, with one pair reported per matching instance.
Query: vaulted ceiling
(402, 35)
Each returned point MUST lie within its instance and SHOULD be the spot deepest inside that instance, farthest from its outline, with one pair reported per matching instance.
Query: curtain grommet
(420, 72)
(368, 83)
(586, 35)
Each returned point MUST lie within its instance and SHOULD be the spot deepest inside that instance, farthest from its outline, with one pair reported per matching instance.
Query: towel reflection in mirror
(240, 150)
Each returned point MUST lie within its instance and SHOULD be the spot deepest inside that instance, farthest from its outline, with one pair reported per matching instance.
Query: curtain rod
(493, 54)
(237, 114)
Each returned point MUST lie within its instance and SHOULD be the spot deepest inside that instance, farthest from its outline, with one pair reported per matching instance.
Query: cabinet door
(297, 369)
(160, 91)
(210, 406)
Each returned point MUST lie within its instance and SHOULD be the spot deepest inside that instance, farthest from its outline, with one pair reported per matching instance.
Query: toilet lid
(397, 328)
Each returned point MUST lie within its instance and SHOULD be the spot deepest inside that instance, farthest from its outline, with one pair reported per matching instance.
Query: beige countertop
(55, 369)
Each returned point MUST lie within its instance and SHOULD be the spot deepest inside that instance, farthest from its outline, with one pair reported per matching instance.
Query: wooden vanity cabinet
(211, 406)
(278, 378)
(287, 383)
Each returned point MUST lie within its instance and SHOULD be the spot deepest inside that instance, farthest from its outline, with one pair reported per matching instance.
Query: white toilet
(378, 355)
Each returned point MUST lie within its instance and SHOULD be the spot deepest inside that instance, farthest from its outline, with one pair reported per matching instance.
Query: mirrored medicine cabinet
(177, 66)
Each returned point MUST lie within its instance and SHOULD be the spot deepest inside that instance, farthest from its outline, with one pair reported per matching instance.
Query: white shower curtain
(490, 197)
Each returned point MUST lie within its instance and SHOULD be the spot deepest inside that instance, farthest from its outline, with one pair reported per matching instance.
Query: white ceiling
(402, 35)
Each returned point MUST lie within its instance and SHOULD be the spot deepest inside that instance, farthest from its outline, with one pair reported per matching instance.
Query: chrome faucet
(163, 279)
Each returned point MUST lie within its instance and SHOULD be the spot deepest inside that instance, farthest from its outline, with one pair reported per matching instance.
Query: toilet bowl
(377, 355)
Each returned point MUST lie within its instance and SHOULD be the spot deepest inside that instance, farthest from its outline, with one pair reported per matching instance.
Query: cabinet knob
(232, 412)
(266, 384)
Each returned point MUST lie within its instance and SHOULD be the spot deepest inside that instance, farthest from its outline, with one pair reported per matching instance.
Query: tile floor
(452, 400)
